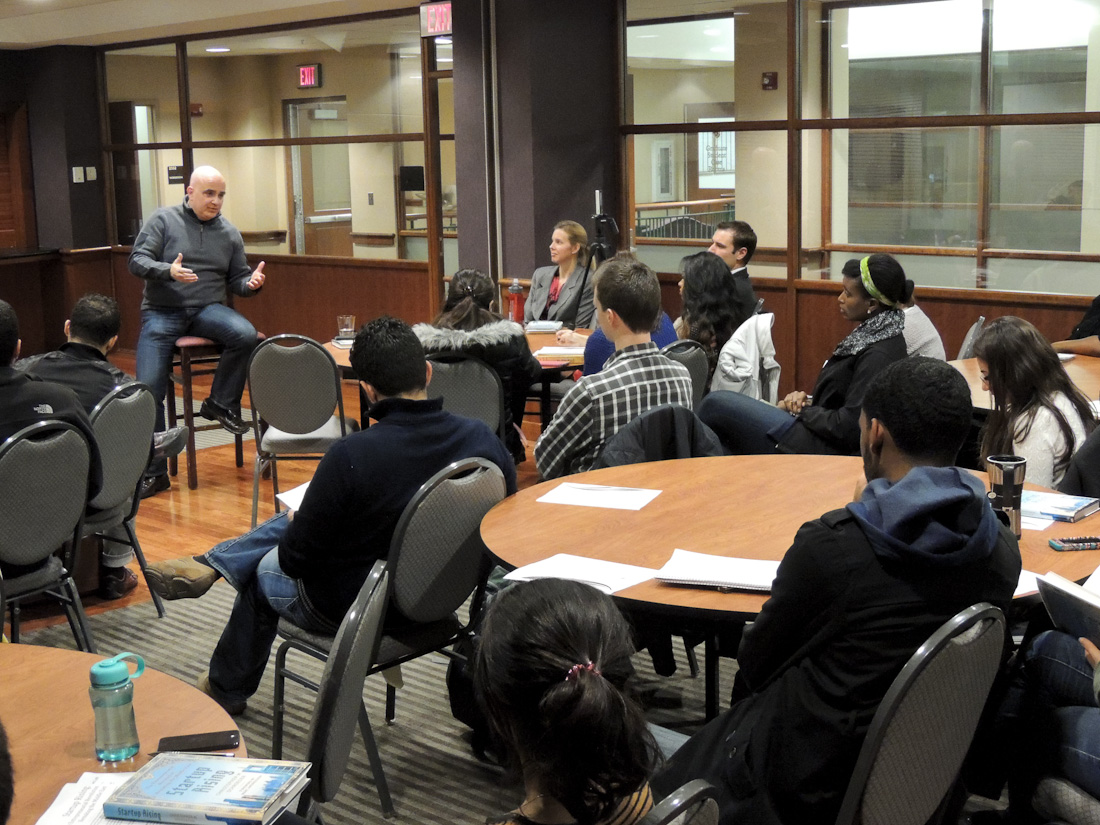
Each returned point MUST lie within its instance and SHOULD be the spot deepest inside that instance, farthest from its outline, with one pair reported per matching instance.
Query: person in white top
(1038, 412)
(921, 335)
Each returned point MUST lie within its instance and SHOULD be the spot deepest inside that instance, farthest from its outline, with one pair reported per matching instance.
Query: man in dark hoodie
(858, 591)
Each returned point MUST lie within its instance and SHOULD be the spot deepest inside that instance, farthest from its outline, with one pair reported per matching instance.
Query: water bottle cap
(114, 671)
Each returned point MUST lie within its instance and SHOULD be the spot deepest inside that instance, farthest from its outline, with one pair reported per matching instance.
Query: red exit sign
(309, 76)
(435, 19)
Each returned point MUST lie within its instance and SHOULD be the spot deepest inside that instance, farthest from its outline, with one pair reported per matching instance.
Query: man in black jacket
(858, 591)
(310, 569)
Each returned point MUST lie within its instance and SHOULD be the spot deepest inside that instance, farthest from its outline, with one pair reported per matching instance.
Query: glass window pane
(1062, 277)
(1040, 61)
(244, 81)
(142, 95)
(1040, 183)
(925, 270)
(908, 187)
(142, 187)
(909, 60)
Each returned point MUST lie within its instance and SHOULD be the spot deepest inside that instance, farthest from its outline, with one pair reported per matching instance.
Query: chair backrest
(44, 476)
(123, 423)
(294, 384)
(924, 725)
(469, 387)
(967, 348)
(353, 652)
(660, 434)
(436, 551)
(696, 801)
(692, 355)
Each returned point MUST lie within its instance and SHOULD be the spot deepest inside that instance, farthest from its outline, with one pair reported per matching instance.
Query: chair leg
(257, 468)
(128, 526)
(279, 702)
(391, 704)
(693, 660)
(710, 653)
(189, 419)
(273, 463)
(375, 760)
(239, 441)
(170, 404)
(81, 617)
(15, 611)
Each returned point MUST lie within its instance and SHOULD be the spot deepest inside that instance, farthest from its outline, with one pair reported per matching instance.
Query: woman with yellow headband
(826, 422)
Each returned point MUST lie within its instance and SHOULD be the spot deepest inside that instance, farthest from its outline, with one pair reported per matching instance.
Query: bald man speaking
(190, 258)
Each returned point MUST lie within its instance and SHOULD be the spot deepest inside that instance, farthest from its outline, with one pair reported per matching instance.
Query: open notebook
(704, 570)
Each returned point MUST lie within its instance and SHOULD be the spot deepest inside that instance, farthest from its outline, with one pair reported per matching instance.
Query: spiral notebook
(722, 572)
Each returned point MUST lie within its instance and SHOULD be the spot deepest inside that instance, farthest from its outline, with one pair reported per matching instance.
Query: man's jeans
(160, 327)
(264, 594)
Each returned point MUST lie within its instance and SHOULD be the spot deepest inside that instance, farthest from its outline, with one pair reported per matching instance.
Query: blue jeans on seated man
(161, 326)
(745, 425)
(264, 594)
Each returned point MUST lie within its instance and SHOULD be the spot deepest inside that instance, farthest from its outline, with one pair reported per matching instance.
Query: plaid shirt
(634, 380)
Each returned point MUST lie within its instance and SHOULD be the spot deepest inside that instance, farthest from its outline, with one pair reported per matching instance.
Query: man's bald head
(206, 192)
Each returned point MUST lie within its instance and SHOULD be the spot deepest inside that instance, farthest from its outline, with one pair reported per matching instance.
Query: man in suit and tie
(734, 242)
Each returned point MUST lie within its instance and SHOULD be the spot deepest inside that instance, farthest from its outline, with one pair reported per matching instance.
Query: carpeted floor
(433, 775)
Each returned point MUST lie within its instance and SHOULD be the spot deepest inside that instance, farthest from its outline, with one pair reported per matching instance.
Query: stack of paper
(723, 572)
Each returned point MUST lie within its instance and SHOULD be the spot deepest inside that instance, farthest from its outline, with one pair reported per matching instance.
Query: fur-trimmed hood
(491, 335)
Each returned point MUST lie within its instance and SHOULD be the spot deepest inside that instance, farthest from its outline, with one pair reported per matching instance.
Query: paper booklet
(723, 572)
(608, 576)
(1072, 608)
(199, 788)
(292, 498)
(1057, 506)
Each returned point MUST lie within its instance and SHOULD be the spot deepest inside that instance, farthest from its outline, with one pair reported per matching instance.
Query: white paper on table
(1035, 523)
(559, 352)
(1028, 584)
(608, 576)
(81, 802)
(1092, 583)
(599, 495)
(293, 498)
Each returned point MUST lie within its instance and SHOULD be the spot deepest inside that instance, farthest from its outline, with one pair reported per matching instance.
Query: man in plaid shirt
(635, 379)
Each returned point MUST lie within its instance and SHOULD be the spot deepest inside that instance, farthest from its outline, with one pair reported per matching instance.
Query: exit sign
(435, 19)
(309, 76)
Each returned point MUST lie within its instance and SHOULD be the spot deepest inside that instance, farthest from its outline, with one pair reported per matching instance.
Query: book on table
(1058, 506)
(722, 572)
(1073, 608)
(198, 788)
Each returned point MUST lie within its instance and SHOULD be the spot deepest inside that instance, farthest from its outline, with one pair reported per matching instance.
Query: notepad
(723, 572)
(608, 576)
(560, 352)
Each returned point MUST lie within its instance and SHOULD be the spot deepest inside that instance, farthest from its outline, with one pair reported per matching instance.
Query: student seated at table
(712, 309)
(859, 590)
(470, 325)
(563, 290)
(1038, 412)
(829, 423)
(921, 335)
(636, 379)
(309, 569)
(551, 672)
(598, 349)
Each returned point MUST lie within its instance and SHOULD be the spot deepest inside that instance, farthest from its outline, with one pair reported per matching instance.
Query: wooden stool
(194, 356)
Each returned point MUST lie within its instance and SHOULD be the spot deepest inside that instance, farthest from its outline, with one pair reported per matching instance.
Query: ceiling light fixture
(217, 49)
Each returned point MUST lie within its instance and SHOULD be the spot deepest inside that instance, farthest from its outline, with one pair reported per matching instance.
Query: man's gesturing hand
(181, 273)
(258, 277)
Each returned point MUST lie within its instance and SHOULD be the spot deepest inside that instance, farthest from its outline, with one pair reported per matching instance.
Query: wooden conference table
(1083, 370)
(48, 716)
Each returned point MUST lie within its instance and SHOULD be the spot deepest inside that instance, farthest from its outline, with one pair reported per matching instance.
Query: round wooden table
(744, 506)
(48, 716)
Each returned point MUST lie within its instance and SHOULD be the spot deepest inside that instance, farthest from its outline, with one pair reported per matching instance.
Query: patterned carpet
(433, 775)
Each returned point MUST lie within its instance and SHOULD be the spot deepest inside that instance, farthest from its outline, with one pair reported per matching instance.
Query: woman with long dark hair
(826, 422)
(468, 324)
(711, 311)
(1038, 412)
(551, 673)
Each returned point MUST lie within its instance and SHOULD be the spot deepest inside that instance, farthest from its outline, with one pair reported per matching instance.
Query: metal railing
(682, 220)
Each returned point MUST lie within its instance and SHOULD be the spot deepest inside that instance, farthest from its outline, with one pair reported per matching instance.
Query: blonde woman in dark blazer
(556, 290)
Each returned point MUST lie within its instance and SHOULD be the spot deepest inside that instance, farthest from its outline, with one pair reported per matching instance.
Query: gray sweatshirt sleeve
(145, 257)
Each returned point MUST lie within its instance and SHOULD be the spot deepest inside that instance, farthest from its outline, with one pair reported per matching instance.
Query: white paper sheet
(81, 802)
(543, 326)
(293, 498)
(608, 576)
(1027, 585)
(1092, 583)
(599, 495)
(559, 352)
(1035, 523)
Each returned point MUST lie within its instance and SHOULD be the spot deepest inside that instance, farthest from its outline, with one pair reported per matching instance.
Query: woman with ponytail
(551, 673)
(469, 325)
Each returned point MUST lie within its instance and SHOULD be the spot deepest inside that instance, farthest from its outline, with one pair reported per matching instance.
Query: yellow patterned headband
(869, 284)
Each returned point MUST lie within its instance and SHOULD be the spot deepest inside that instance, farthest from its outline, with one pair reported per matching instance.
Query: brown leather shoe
(180, 578)
(115, 582)
(230, 706)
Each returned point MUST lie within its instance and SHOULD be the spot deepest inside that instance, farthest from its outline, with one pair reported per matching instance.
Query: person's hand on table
(258, 277)
(794, 402)
(569, 338)
(181, 273)
(1092, 652)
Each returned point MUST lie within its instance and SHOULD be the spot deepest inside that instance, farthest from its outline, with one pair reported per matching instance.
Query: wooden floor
(182, 522)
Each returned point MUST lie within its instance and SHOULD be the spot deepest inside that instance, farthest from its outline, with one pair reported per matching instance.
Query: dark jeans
(745, 425)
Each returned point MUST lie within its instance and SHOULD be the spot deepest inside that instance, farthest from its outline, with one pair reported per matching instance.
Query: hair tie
(573, 672)
(869, 284)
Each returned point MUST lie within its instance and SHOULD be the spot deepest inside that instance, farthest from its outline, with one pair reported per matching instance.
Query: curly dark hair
(710, 311)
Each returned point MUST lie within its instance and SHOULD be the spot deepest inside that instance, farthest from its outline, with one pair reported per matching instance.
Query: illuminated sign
(435, 19)
(309, 76)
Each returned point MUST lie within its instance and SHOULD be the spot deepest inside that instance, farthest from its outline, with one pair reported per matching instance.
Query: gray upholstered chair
(44, 475)
(692, 355)
(469, 387)
(967, 348)
(695, 801)
(436, 561)
(293, 386)
(920, 734)
(123, 423)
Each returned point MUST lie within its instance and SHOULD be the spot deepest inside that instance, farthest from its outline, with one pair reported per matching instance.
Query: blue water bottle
(112, 693)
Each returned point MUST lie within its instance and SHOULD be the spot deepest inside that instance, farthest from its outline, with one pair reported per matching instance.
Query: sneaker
(151, 485)
(115, 582)
(180, 578)
(234, 707)
(170, 442)
(227, 418)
